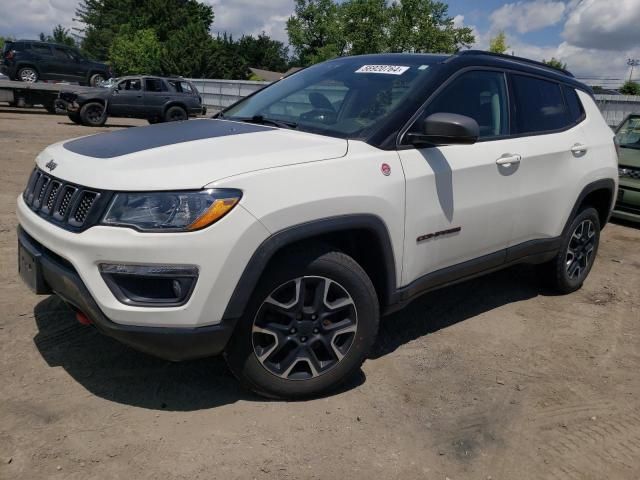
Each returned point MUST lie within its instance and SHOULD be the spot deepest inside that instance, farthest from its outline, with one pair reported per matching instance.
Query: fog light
(150, 285)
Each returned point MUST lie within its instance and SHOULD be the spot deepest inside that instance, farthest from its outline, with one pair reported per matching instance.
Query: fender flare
(273, 244)
(602, 184)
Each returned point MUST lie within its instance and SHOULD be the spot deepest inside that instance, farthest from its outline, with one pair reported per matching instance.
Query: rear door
(156, 95)
(126, 98)
(546, 122)
(43, 60)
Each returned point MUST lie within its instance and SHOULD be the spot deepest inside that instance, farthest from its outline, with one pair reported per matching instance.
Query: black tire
(96, 79)
(92, 114)
(75, 118)
(340, 333)
(27, 74)
(569, 269)
(175, 114)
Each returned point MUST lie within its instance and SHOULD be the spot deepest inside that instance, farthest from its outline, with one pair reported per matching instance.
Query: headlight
(170, 211)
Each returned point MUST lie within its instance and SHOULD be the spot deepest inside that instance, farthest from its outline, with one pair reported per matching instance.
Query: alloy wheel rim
(304, 328)
(28, 75)
(580, 250)
(177, 116)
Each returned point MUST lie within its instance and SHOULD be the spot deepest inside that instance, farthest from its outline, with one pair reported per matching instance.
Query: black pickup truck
(158, 99)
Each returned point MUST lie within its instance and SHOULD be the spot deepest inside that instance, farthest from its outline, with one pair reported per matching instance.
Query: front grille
(629, 172)
(68, 205)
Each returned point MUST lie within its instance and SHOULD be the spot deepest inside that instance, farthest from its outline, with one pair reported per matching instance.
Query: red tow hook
(83, 319)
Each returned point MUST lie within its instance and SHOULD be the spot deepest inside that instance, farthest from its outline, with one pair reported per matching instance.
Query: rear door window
(61, 53)
(539, 105)
(154, 85)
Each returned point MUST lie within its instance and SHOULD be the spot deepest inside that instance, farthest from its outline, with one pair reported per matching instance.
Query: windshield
(338, 98)
(629, 133)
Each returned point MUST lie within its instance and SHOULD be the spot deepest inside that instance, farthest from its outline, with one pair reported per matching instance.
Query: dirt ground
(495, 378)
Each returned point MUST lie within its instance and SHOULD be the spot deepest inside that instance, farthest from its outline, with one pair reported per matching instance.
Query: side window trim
(400, 142)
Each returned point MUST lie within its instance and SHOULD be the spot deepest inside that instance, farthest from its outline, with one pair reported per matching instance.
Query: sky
(594, 37)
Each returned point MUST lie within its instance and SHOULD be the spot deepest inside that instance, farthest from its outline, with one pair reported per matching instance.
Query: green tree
(498, 44)
(264, 52)
(60, 35)
(136, 52)
(425, 26)
(190, 52)
(228, 60)
(315, 31)
(103, 20)
(363, 25)
(630, 88)
(555, 63)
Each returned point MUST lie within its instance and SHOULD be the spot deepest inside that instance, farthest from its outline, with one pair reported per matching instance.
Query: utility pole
(632, 62)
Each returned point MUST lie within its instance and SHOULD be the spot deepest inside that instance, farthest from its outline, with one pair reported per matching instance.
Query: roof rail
(516, 59)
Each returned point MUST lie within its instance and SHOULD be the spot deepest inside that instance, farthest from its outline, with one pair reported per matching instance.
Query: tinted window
(629, 133)
(61, 53)
(154, 85)
(129, 84)
(181, 86)
(40, 49)
(574, 105)
(539, 105)
(479, 95)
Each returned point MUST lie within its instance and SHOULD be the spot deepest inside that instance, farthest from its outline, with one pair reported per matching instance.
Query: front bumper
(55, 275)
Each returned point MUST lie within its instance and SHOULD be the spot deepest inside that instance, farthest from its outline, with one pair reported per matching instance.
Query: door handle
(578, 149)
(509, 159)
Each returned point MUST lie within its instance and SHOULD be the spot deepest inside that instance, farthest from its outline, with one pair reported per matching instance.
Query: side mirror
(446, 129)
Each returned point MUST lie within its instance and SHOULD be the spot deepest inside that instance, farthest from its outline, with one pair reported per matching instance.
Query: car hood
(182, 155)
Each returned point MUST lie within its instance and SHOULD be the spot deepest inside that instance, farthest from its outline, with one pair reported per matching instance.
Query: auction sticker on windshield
(386, 69)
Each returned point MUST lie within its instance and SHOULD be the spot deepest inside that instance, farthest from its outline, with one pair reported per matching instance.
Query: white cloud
(528, 16)
(30, 17)
(604, 25)
(252, 17)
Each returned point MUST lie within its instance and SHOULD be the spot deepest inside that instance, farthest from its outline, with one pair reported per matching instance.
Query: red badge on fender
(386, 169)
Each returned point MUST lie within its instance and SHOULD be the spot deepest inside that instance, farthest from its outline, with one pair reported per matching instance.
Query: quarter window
(480, 95)
(539, 105)
(574, 105)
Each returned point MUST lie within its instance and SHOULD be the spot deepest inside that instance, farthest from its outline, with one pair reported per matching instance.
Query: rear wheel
(569, 269)
(92, 114)
(308, 327)
(28, 74)
(175, 114)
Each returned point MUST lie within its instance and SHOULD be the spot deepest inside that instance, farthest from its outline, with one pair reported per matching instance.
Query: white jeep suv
(280, 231)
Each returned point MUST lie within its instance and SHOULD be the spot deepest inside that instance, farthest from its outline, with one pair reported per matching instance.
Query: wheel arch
(175, 103)
(344, 233)
(600, 195)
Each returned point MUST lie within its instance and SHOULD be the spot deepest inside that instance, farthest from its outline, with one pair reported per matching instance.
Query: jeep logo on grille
(51, 165)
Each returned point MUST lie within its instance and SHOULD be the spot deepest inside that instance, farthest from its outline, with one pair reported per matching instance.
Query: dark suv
(30, 61)
(157, 99)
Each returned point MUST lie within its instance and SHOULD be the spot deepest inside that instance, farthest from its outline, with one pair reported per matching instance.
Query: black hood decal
(131, 140)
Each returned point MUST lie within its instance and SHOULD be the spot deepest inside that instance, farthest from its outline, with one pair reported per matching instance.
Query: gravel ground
(494, 378)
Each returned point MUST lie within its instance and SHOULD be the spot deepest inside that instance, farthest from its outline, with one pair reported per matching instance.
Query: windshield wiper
(261, 120)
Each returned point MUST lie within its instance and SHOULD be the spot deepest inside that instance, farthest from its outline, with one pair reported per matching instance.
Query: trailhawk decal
(132, 140)
(442, 233)
(385, 69)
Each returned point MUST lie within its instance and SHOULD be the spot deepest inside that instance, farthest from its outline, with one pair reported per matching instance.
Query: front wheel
(92, 114)
(569, 269)
(96, 79)
(308, 327)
